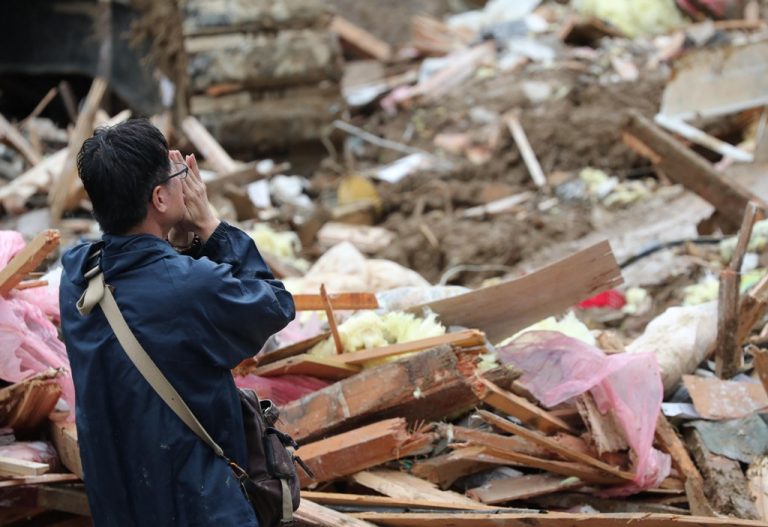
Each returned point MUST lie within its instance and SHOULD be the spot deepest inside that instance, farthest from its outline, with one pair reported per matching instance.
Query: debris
(696, 174)
(744, 439)
(427, 385)
(368, 239)
(680, 338)
(205, 143)
(359, 40)
(724, 483)
(717, 399)
(17, 467)
(27, 259)
(495, 311)
(522, 488)
(365, 447)
(529, 156)
(635, 18)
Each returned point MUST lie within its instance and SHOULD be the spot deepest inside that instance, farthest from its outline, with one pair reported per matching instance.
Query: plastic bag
(557, 367)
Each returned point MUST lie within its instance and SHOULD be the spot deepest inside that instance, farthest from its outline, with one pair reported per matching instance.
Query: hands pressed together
(199, 218)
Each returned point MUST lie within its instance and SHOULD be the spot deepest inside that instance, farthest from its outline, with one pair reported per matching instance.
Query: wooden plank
(27, 260)
(512, 121)
(310, 513)
(69, 500)
(205, 143)
(331, 320)
(445, 469)
(554, 446)
(724, 482)
(522, 487)
(360, 449)
(64, 438)
(566, 468)
(466, 339)
(21, 481)
(227, 16)
(435, 384)
(400, 485)
(10, 466)
(498, 311)
(292, 350)
(520, 408)
(342, 301)
(684, 166)
(694, 483)
(605, 432)
(549, 519)
(360, 40)
(315, 366)
(68, 184)
(365, 500)
(9, 134)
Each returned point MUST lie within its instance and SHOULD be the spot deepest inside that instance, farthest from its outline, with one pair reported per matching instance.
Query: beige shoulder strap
(98, 292)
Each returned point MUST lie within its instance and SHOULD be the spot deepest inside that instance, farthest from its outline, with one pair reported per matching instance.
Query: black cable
(658, 246)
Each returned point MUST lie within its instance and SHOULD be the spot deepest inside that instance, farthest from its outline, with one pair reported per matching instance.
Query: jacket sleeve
(241, 302)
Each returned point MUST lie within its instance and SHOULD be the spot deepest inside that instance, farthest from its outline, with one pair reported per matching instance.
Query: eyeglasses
(179, 170)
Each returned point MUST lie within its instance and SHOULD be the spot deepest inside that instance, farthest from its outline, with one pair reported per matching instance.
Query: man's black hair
(119, 167)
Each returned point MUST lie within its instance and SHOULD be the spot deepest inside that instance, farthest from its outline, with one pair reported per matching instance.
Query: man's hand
(199, 218)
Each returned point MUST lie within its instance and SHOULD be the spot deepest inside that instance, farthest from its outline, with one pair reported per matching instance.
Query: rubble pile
(530, 274)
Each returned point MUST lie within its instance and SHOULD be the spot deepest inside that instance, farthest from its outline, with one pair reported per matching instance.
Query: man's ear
(160, 198)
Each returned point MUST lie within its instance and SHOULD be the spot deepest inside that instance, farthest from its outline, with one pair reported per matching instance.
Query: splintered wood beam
(207, 145)
(520, 407)
(435, 384)
(310, 513)
(400, 485)
(331, 320)
(468, 338)
(67, 183)
(695, 173)
(365, 500)
(351, 301)
(459, 434)
(26, 404)
(315, 366)
(694, 484)
(28, 259)
(522, 488)
(554, 446)
(498, 311)
(10, 466)
(549, 519)
(360, 449)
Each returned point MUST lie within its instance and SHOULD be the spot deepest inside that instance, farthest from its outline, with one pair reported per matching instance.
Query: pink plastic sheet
(557, 367)
(283, 389)
(29, 342)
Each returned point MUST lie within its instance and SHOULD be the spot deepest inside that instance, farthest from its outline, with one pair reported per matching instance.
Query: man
(196, 314)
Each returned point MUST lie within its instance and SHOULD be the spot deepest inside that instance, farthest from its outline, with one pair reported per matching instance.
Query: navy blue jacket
(197, 318)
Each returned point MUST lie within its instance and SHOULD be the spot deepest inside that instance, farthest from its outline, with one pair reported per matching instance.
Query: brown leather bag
(270, 484)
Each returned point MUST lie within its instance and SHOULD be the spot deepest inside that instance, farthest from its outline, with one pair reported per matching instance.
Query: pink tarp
(557, 367)
(29, 341)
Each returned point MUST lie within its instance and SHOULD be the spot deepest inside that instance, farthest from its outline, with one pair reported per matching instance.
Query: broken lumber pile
(262, 73)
